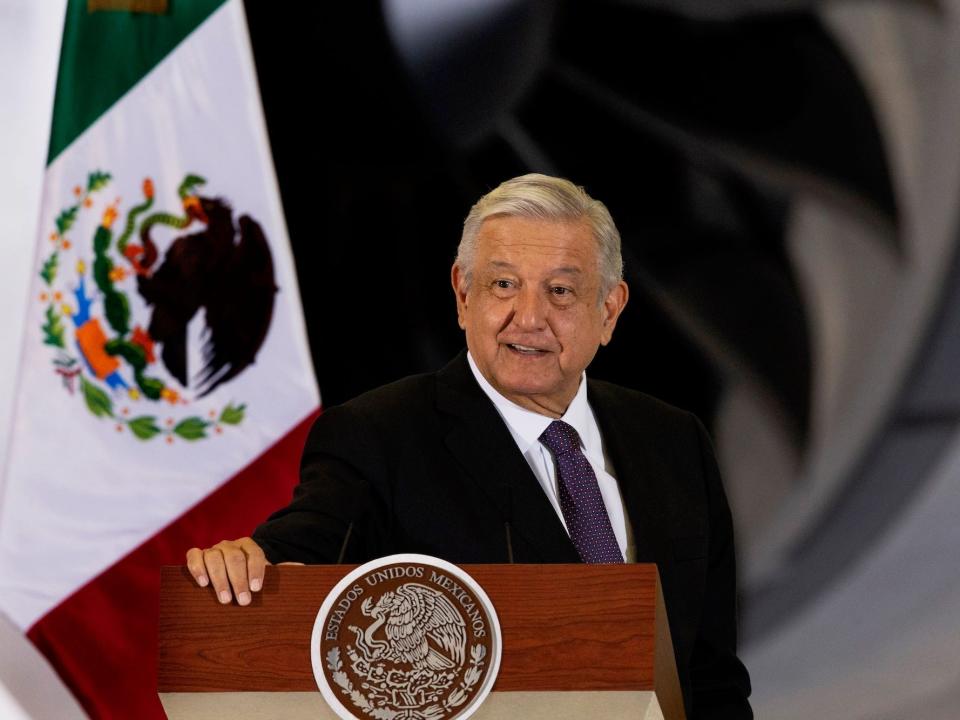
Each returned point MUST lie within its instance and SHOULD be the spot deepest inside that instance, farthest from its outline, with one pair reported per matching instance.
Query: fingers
(256, 563)
(196, 567)
(235, 560)
(235, 568)
(216, 564)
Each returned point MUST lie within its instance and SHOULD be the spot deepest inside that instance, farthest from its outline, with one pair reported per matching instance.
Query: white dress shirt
(526, 427)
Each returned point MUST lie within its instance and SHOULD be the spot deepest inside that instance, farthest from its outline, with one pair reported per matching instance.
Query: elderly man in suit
(510, 454)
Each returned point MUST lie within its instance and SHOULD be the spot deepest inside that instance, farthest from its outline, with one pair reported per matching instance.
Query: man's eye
(503, 284)
(561, 291)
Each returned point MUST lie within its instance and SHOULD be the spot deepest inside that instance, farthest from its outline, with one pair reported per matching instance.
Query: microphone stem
(343, 548)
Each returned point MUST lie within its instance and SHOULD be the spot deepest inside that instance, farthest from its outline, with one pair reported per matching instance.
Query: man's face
(532, 314)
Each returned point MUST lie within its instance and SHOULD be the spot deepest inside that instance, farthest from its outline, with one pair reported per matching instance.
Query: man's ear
(613, 305)
(459, 282)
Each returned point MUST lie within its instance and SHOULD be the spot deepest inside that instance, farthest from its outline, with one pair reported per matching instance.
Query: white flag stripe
(80, 494)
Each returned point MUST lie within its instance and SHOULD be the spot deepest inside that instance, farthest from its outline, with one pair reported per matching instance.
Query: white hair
(547, 198)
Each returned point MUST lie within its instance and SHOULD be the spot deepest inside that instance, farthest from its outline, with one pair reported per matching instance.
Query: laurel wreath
(71, 370)
(432, 712)
(145, 427)
(470, 678)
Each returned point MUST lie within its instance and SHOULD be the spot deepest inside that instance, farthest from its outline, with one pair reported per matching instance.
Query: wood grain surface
(565, 627)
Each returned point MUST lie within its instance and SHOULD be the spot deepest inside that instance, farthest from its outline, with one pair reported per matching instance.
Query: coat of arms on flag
(108, 304)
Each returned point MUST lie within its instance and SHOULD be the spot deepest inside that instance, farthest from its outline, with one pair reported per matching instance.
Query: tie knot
(560, 438)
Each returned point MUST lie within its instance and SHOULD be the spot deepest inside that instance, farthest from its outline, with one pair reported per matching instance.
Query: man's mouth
(525, 349)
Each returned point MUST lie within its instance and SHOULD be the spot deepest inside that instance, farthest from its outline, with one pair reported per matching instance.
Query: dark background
(381, 150)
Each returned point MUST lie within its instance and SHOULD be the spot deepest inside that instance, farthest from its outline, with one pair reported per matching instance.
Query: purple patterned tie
(580, 498)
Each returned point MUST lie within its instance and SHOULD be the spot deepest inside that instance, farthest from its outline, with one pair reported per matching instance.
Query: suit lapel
(639, 469)
(480, 441)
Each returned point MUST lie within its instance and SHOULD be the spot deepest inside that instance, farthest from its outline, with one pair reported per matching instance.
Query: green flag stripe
(105, 53)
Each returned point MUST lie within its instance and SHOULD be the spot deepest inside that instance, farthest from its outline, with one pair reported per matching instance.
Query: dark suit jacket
(426, 465)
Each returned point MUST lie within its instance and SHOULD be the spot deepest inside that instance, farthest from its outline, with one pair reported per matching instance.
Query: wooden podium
(578, 641)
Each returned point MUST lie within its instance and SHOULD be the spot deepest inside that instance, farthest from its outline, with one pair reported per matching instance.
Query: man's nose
(529, 309)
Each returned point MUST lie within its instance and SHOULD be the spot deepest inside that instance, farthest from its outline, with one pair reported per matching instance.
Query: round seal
(406, 637)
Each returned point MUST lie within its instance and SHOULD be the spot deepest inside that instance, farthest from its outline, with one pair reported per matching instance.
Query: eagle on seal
(412, 616)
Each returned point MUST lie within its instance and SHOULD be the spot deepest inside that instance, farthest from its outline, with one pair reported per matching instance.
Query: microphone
(508, 515)
(343, 548)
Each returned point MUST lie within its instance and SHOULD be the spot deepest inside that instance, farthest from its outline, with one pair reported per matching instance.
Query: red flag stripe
(103, 638)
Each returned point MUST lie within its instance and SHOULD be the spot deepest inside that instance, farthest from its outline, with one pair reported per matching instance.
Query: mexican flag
(165, 384)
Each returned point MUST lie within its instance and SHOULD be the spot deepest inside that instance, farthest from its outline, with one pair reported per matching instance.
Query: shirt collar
(527, 426)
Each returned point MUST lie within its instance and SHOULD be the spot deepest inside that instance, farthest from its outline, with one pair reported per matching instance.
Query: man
(510, 454)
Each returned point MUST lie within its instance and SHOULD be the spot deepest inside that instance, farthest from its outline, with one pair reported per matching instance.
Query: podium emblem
(406, 637)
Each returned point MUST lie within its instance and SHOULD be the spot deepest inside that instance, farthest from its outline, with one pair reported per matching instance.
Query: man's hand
(235, 565)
